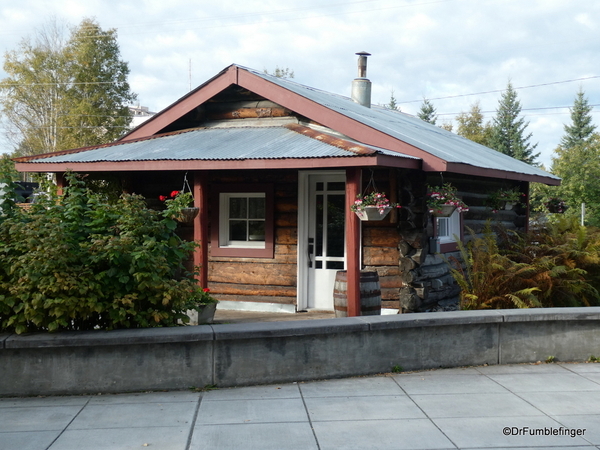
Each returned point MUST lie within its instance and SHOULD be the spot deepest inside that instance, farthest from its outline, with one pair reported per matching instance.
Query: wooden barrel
(370, 294)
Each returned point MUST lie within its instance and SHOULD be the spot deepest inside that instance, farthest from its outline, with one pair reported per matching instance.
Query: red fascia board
(249, 164)
(184, 105)
(466, 169)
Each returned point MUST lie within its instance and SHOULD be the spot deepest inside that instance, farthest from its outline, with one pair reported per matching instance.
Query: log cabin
(275, 166)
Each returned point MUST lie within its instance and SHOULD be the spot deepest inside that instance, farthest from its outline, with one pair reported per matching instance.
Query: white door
(325, 237)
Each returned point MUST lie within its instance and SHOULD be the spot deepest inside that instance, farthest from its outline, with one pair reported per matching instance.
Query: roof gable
(439, 149)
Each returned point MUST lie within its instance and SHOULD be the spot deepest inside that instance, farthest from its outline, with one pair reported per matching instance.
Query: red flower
(162, 198)
(174, 193)
(206, 290)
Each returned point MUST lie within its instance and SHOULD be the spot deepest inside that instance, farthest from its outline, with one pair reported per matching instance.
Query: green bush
(79, 262)
(551, 266)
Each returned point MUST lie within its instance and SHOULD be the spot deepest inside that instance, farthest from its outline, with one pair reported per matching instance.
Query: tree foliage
(472, 126)
(78, 262)
(581, 128)
(579, 168)
(509, 130)
(64, 92)
(393, 104)
(281, 73)
(427, 112)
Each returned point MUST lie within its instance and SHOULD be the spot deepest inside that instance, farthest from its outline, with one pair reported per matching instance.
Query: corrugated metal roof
(231, 143)
(434, 140)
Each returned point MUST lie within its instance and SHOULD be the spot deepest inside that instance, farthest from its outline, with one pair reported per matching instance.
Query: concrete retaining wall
(273, 352)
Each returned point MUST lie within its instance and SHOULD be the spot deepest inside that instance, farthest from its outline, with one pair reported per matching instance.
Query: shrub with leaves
(550, 267)
(79, 262)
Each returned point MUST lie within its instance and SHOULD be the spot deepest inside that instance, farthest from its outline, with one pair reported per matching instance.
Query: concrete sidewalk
(493, 407)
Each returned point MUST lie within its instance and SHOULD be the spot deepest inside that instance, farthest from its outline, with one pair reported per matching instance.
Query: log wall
(262, 279)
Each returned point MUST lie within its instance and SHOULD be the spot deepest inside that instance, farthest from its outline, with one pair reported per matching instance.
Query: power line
(502, 90)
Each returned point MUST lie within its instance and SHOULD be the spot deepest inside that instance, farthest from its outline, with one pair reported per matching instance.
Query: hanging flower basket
(179, 206)
(187, 215)
(443, 201)
(373, 206)
(444, 211)
(505, 199)
(372, 213)
(556, 205)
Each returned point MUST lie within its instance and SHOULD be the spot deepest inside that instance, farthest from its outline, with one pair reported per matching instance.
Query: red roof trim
(245, 164)
(185, 104)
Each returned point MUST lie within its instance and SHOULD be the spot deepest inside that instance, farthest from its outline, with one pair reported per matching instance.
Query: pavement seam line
(423, 411)
(70, 422)
(193, 425)
(312, 428)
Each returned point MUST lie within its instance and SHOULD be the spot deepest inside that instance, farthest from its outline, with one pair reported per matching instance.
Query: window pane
(337, 186)
(238, 208)
(319, 186)
(237, 230)
(256, 230)
(256, 208)
(335, 225)
(338, 265)
(443, 226)
(319, 226)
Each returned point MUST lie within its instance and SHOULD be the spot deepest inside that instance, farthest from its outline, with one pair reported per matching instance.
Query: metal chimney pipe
(361, 86)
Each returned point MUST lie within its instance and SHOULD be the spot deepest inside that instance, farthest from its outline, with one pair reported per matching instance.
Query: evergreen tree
(62, 92)
(393, 105)
(471, 125)
(427, 112)
(581, 128)
(508, 129)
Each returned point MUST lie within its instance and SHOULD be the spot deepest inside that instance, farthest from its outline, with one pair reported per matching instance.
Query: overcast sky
(454, 52)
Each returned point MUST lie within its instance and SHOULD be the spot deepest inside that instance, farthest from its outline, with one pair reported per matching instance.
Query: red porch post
(201, 227)
(60, 183)
(353, 189)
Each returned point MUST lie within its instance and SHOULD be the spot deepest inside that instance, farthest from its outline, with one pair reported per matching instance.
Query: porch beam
(200, 189)
(353, 188)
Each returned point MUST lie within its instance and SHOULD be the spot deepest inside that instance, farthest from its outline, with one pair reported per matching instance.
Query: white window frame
(224, 219)
(452, 224)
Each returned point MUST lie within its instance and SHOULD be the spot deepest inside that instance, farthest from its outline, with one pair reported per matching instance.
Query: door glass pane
(320, 186)
(335, 225)
(237, 230)
(319, 226)
(256, 208)
(337, 265)
(237, 207)
(336, 186)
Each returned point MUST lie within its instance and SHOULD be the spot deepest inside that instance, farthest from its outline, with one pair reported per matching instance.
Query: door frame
(303, 231)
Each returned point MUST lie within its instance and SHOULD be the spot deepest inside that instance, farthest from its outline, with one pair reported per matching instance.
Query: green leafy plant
(78, 262)
(446, 194)
(550, 359)
(498, 199)
(550, 267)
(486, 277)
(397, 369)
(177, 200)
